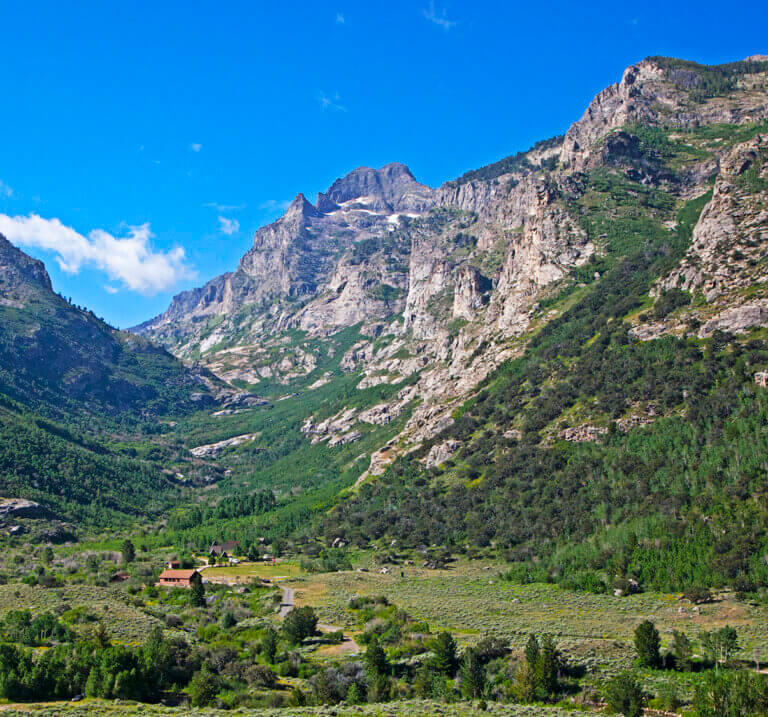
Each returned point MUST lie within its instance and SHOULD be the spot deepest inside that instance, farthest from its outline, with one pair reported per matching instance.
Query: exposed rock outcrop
(211, 450)
(444, 282)
(731, 234)
(440, 453)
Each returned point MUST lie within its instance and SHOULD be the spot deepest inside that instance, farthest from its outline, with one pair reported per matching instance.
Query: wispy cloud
(275, 205)
(129, 259)
(225, 207)
(439, 19)
(229, 226)
(195, 146)
(5, 191)
(340, 18)
(331, 103)
(110, 289)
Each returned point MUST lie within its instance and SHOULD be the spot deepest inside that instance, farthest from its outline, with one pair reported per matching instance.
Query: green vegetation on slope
(676, 503)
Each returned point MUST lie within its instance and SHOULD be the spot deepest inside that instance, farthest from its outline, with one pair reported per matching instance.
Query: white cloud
(5, 191)
(229, 226)
(438, 19)
(195, 146)
(224, 207)
(110, 289)
(340, 18)
(130, 259)
(331, 103)
(275, 205)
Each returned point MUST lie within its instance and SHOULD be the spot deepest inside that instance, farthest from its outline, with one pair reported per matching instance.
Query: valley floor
(408, 708)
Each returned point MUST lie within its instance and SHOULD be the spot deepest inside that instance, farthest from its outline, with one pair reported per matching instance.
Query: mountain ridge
(445, 292)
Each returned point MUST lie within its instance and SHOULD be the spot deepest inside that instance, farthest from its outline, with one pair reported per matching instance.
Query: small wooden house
(178, 578)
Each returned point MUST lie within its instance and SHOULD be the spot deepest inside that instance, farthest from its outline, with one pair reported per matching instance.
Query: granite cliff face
(446, 283)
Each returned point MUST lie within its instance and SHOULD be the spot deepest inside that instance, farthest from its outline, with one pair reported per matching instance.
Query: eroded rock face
(731, 234)
(471, 293)
(550, 244)
(211, 450)
(648, 94)
(318, 268)
(11, 508)
(17, 270)
(737, 319)
(582, 434)
(440, 453)
(463, 265)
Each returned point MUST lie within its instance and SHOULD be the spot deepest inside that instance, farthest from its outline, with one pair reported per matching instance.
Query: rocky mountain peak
(301, 207)
(666, 91)
(391, 188)
(17, 268)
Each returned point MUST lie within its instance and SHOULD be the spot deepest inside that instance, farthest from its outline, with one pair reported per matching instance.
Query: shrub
(739, 693)
(203, 687)
(623, 695)
(299, 623)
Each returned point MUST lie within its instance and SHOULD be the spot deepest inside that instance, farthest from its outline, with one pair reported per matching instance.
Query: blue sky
(160, 135)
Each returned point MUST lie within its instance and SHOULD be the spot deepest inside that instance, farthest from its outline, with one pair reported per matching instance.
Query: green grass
(405, 708)
(269, 571)
(472, 600)
(125, 622)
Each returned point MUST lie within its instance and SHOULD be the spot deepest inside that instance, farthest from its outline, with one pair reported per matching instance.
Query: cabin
(178, 578)
(119, 577)
(224, 550)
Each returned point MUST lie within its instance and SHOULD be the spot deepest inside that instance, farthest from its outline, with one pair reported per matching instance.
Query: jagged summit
(391, 188)
(372, 249)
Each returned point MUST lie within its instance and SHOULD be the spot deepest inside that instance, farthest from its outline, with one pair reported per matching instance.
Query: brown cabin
(119, 577)
(177, 578)
(224, 550)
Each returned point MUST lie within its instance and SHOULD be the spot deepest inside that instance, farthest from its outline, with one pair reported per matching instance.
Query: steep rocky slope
(62, 360)
(447, 283)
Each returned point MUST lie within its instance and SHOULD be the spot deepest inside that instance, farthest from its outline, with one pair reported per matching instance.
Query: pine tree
(682, 650)
(548, 666)
(532, 650)
(472, 675)
(197, 591)
(444, 649)
(647, 643)
(128, 551)
(269, 644)
(376, 663)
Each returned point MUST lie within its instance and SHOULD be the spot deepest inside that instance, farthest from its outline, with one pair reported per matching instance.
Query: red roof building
(177, 578)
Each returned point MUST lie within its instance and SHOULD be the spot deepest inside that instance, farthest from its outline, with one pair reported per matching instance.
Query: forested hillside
(597, 455)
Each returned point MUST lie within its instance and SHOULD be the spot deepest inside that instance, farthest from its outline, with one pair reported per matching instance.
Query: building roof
(177, 574)
(228, 547)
